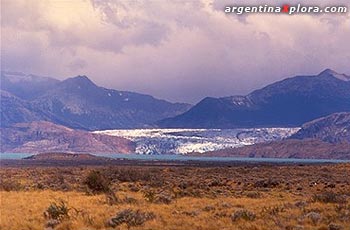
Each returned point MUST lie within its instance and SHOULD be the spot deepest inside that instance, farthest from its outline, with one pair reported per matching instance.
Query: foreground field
(145, 197)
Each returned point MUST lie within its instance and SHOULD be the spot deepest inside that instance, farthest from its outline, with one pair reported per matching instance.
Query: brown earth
(42, 136)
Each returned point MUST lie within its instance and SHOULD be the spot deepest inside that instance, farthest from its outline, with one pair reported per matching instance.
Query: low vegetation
(253, 197)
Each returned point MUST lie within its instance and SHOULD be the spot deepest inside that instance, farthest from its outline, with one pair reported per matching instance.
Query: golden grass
(24, 210)
(210, 196)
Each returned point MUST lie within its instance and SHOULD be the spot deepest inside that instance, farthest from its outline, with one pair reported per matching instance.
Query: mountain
(287, 103)
(82, 104)
(42, 136)
(79, 103)
(26, 86)
(334, 128)
(16, 110)
(323, 138)
(303, 149)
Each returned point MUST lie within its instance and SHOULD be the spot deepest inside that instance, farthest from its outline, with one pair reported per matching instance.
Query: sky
(175, 50)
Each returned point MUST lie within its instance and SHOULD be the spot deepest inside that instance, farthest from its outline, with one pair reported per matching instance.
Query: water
(17, 156)
(14, 156)
(217, 159)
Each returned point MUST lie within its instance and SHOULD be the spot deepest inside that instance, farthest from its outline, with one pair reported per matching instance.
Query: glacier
(184, 141)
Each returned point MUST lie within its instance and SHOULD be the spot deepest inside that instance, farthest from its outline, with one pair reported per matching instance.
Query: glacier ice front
(183, 141)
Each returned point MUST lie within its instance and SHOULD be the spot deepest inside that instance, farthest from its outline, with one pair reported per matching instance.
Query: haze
(170, 49)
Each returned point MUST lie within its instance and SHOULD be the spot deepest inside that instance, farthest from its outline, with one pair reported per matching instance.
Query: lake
(17, 156)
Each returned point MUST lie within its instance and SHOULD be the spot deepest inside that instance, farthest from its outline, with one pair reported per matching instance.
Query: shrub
(191, 213)
(111, 198)
(130, 200)
(97, 182)
(269, 183)
(157, 197)
(130, 218)
(57, 211)
(10, 185)
(315, 217)
(243, 214)
(253, 194)
(149, 195)
(333, 226)
(51, 224)
(329, 197)
(163, 198)
(275, 210)
(301, 204)
(209, 208)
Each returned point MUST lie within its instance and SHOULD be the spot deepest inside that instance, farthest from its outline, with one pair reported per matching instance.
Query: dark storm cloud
(177, 50)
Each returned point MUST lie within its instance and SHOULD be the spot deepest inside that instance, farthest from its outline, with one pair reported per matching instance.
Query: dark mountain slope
(333, 129)
(24, 86)
(15, 110)
(78, 103)
(324, 138)
(88, 106)
(290, 102)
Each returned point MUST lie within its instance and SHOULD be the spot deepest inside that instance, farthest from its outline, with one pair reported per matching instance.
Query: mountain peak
(287, 103)
(80, 80)
(330, 72)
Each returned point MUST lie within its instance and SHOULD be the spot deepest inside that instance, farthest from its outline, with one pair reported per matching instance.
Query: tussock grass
(263, 198)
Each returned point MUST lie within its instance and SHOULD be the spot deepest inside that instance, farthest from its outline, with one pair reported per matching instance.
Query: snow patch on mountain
(16, 77)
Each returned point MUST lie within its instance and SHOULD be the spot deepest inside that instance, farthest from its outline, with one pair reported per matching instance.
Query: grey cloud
(77, 65)
(181, 51)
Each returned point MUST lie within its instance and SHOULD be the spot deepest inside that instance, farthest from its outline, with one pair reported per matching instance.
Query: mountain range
(291, 148)
(42, 113)
(287, 103)
(78, 103)
(324, 138)
(334, 128)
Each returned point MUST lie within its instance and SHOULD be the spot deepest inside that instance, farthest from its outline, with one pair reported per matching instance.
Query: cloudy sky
(176, 50)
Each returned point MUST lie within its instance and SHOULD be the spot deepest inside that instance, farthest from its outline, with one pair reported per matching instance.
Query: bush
(269, 183)
(243, 214)
(57, 211)
(149, 195)
(208, 208)
(333, 226)
(253, 194)
(315, 217)
(163, 198)
(111, 198)
(329, 197)
(153, 196)
(10, 185)
(130, 218)
(130, 200)
(97, 183)
(275, 210)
